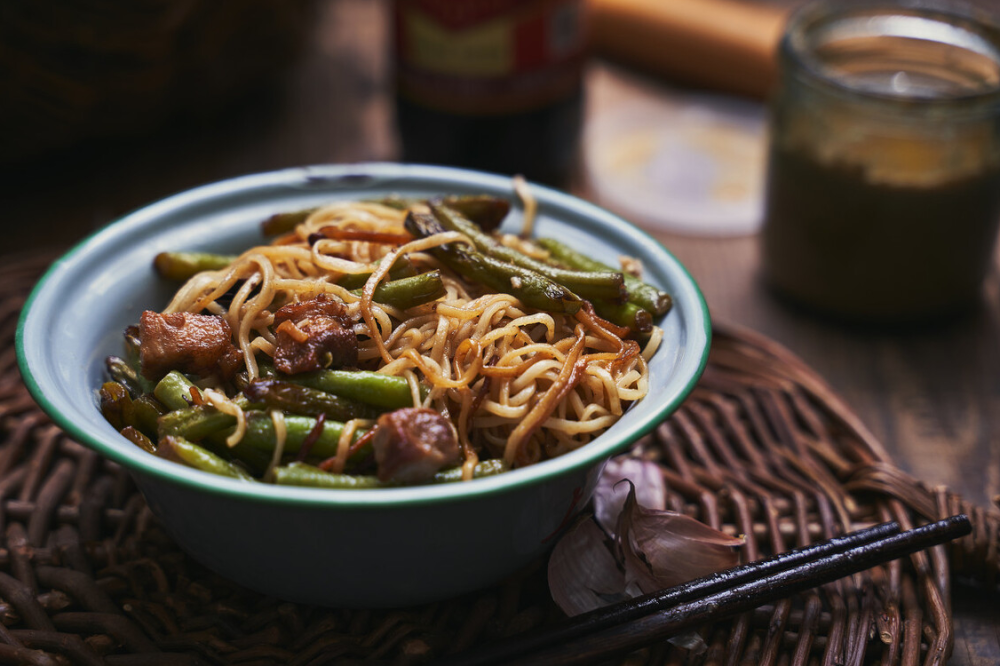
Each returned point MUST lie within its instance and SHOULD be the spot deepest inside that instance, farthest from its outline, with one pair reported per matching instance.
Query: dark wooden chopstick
(625, 627)
(746, 596)
(609, 616)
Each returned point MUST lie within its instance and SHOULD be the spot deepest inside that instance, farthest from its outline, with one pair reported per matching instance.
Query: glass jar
(883, 193)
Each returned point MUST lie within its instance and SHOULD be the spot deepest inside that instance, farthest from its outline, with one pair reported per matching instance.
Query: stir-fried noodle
(517, 384)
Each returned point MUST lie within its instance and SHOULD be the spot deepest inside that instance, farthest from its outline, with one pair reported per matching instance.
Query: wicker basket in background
(72, 70)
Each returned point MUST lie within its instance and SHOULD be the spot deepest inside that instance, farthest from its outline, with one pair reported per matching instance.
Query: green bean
(194, 423)
(627, 314)
(146, 413)
(282, 223)
(301, 474)
(409, 292)
(641, 293)
(210, 427)
(205, 423)
(139, 439)
(534, 290)
(353, 280)
(116, 405)
(255, 460)
(123, 373)
(181, 450)
(265, 369)
(484, 468)
(371, 388)
(181, 266)
(174, 390)
(133, 356)
(260, 434)
(121, 410)
(305, 401)
(402, 268)
(133, 345)
(485, 210)
(606, 285)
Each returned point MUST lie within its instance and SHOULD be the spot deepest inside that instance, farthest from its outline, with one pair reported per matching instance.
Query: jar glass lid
(904, 50)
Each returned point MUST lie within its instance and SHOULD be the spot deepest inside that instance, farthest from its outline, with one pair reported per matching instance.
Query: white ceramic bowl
(375, 548)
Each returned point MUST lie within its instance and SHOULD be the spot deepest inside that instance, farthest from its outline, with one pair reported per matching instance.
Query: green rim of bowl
(698, 332)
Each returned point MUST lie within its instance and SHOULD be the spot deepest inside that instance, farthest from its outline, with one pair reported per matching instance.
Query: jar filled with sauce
(883, 189)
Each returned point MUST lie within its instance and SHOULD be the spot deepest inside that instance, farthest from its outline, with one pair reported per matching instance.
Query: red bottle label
(488, 56)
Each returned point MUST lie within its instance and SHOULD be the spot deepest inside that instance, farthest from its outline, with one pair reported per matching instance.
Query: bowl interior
(76, 314)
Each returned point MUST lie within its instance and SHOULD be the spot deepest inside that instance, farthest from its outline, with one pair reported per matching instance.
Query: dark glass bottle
(493, 85)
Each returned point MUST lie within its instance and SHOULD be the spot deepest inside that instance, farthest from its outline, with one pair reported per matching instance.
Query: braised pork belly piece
(412, 444)
(191, 343)
(313, 335)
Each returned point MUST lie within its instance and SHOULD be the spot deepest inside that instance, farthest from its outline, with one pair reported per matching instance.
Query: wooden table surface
(932, 396)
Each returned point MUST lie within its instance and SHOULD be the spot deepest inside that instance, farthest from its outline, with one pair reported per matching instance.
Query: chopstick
(627, 611)
(625, 627)
(609, 616)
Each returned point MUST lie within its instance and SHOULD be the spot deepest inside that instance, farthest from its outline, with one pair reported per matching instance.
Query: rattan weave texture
(762, 447)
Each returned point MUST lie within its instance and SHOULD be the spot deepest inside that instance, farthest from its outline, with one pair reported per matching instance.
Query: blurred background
(102, 93)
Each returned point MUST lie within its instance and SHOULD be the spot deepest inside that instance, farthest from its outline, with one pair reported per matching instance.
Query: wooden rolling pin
(727, 45)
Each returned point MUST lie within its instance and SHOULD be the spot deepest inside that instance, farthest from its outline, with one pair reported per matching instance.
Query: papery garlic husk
(691, 641)
(661, 549)
(583, 574)
(610, 493)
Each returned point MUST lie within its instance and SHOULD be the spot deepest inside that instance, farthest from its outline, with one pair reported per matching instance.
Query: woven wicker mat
(762, 447)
